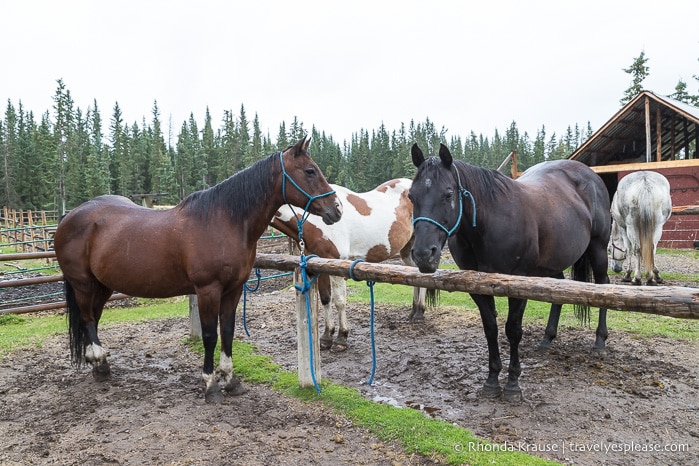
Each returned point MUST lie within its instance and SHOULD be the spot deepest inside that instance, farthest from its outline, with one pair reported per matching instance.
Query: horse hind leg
(84, 312)
(232, 384)
(552, 325)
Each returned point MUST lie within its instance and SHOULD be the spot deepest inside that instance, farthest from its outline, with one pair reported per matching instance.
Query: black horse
(554, 216)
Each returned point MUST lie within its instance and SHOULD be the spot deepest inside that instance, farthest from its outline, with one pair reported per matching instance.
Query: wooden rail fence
(672, 301)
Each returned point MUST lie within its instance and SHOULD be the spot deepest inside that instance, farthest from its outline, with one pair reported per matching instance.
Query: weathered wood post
(304, 346)
(194, 322)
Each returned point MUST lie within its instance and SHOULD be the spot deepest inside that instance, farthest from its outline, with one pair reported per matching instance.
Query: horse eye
(310, 171)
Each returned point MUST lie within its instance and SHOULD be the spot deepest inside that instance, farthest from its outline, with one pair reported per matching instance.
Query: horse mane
(241, 194)
(483, 183)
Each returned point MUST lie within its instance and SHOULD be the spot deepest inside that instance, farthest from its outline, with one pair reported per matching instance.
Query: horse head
(437, 206)
(617, 248)
(304, 185)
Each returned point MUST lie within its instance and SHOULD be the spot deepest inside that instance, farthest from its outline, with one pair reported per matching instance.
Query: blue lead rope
(246, 288)
(370, 284)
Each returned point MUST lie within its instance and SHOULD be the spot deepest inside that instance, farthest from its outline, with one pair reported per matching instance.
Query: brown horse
(204, 245)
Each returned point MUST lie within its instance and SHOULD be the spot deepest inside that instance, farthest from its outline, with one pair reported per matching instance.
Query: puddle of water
(429, 410)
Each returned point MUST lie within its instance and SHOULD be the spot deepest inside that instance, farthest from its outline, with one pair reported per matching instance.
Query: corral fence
(19, 277)
(28, 230)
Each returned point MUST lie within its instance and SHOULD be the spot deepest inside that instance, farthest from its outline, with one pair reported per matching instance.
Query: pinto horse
(640, 207)
(554, 216)
(375, 226)
(204, 245)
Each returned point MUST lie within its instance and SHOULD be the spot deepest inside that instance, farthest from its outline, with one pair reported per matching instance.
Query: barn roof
(648, 129)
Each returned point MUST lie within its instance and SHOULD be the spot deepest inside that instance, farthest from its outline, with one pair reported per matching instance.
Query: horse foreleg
(513, 330)
(325, 292)
(486, 306)
(339, 300)
(232, 384)
(418, 312)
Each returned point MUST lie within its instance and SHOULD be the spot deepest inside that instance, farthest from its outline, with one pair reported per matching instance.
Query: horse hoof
(491, 391)
(326, 344)
(544, 344)
(101, 371)
(237, 390)
(339, 347)
(213, 395)
(512, 395)
(235, 387)
(416, 317)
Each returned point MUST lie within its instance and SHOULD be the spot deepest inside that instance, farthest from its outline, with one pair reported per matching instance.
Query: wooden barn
(653, 133)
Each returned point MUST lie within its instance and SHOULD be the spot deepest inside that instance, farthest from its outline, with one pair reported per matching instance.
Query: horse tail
(582, 272)
(645, 227)
(431, 297)
(76, 327)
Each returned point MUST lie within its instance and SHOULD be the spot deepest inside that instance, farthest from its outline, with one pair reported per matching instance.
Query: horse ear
(302, 145)
(445, 155)
(418, 157)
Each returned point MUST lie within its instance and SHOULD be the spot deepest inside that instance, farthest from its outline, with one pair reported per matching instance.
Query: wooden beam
(624, 167)
(685, 210)
(672, 301)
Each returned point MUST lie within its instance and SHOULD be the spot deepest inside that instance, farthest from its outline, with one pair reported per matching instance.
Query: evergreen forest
(69, 155)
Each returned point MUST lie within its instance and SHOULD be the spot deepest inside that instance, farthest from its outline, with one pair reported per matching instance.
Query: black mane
(240, 194)
(485, 184)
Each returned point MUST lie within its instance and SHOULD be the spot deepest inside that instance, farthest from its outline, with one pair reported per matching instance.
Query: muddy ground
(643, 394)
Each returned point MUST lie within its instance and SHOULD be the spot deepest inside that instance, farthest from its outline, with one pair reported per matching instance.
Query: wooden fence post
(194, 322)
(304, 346)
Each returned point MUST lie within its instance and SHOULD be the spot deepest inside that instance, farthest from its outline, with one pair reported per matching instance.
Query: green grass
(25, 330)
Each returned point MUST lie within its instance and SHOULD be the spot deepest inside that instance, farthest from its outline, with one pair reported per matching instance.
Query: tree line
(65, 157)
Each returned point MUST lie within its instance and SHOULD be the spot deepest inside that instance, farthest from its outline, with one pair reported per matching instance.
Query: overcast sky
(346, 65)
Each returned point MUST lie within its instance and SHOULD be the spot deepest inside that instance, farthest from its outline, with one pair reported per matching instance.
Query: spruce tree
(639, 72)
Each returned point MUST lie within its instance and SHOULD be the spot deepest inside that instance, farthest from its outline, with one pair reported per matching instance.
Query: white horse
(640, 208)
(375, 226)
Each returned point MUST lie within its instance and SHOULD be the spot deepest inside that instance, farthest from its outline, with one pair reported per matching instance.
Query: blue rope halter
(462, 193)
(306, 211)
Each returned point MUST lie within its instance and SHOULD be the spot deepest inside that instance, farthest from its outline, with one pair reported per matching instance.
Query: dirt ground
(579, 406)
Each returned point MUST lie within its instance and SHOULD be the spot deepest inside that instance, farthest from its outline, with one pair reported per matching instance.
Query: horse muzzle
(334, 214)
(427, 259)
